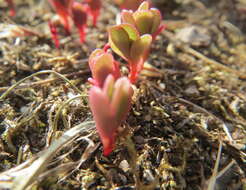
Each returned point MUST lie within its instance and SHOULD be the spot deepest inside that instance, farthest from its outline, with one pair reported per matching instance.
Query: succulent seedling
(63, 8)
(101, 65)
(79, 16)
(109, 106)
(129, 4)
(147, 20)
(125, 40)
(94, 9)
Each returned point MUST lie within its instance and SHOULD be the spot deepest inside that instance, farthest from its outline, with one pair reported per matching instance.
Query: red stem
(133, 72)
(54, 34)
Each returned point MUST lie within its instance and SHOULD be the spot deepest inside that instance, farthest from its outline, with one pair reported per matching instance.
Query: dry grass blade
(35, 74)
(27, 174)
(212, 180)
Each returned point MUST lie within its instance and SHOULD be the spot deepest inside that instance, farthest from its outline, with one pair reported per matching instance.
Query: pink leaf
(109, 106)
(102, 64)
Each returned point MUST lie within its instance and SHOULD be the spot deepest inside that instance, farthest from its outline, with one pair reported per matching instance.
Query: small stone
(124, 165)
(194, 35)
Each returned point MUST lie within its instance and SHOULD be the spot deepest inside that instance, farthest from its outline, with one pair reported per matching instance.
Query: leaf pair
(110, 105)
(101, 65)
(127, 42)
(146, 20)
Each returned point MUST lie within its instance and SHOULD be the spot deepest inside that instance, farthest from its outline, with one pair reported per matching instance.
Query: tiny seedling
(101, 65)
(109, 106)
(94, 9)
(79, 16)
(63, 8)
(147, 20)
(126, 41)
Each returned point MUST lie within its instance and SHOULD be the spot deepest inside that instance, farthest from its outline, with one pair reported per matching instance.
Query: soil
(189, 103)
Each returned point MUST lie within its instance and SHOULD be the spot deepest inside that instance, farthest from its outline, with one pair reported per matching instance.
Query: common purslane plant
(110, 96)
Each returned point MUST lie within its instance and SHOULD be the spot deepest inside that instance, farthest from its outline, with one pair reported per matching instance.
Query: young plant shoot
(109, 106)
(94, 9)
(126, 41)
(63, 8)
(147, 20)
(79, 16)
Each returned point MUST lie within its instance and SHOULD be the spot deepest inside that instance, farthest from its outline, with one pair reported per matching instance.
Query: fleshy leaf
(109, 107)
(156, 21)
(127, 17)
(103, 67)
(144, 6)
(104, 118)
(120, 39)
(102, 64)
(140, 47)
(121, 100)
(144, 21)
(131, 31)
(108, 87)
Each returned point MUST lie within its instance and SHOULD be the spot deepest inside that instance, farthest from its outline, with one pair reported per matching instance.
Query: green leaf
(108, 87)
(156, 21)
(121, 38)
(127, 17)
(121, 100)
(144, 21)
(144, 6)
(119, 41)
(131, 31)
(140, 47)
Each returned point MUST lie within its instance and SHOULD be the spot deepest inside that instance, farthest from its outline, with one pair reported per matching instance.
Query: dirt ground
(187, 125)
